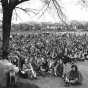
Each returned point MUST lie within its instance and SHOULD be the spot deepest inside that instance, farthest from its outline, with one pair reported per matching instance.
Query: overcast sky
(71, 8)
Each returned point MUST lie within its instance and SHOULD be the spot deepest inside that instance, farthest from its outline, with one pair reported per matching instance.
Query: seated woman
(73, 77)
(44, 68)
(31, 72)
(23, 72)
(28, 71)
(59, 68)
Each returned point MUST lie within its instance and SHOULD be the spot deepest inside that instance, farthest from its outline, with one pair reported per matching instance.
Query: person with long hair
(74, 76)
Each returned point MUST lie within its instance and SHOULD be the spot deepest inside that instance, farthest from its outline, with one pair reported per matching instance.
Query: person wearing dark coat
(44, 66)
(22, 61)
(59, 68)
(74, 76)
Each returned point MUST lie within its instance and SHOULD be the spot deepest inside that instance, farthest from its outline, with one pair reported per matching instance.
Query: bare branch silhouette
(17, 15)
(59, 12)
(7, 11)
(45, 8)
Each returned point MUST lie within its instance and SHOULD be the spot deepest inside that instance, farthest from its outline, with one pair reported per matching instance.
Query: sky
(71, 8)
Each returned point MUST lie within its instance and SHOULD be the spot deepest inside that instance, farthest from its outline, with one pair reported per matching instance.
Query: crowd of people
(49, 45)
(47, 53)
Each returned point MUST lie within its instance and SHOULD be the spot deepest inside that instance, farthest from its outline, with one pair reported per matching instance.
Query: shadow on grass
(25, 85)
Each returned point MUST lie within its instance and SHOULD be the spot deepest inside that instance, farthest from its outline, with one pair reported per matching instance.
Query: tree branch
(17, 15)
(24, 10)
(20, 1)
(59, 11)
(12, 3)
(46, 8)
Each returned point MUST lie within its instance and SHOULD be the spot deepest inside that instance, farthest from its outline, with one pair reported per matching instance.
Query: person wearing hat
(74, 76)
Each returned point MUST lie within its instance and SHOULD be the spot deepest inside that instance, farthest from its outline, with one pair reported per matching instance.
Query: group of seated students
(56, 68)
(72, 77)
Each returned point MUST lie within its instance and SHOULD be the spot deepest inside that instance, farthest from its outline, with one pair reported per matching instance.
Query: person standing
(10, 78)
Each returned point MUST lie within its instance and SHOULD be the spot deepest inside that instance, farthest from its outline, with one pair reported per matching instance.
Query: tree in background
(7, 8)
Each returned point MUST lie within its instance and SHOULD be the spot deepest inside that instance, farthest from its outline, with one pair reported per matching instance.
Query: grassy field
(48, 82)
(52, 82)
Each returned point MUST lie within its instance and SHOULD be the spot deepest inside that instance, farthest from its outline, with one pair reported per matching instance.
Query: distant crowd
(49, 45)
(47, 54)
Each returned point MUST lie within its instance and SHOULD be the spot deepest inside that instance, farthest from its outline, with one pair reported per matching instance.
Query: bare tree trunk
(7, 16)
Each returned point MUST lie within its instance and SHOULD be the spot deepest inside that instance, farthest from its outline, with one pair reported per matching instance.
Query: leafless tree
(7, 8)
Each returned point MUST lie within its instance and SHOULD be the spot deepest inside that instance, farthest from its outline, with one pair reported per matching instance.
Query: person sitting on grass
(59, 68)
(73, 77)
(31, 72)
